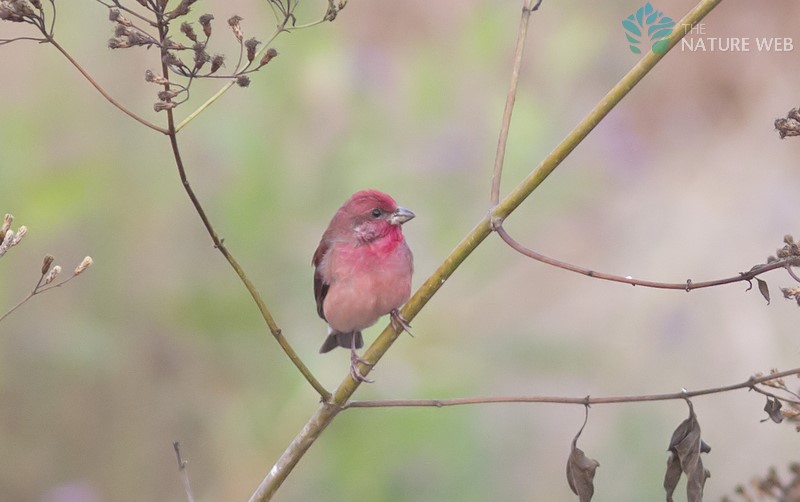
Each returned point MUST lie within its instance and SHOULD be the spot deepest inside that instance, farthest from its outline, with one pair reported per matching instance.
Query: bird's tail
(339, 339)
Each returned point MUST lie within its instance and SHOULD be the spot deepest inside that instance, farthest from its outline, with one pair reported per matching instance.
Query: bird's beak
(400, 216)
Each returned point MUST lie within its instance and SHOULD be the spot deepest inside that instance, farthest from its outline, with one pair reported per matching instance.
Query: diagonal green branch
(328, 410)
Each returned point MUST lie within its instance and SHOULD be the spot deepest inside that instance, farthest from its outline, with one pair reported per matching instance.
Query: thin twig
(683, 286)
(102, 91)
(328, 410)
(230, 84)
(4, 41)
(220, 245)
(187, 487)
(38, 289)
(511, 97)
(588, 400)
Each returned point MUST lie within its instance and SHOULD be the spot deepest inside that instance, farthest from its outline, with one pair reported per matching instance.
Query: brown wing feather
(320, 286)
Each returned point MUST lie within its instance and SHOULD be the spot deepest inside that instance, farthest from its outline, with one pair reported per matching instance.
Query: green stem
(328, 410)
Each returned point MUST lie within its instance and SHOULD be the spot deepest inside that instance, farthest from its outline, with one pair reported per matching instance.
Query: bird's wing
(320, 286)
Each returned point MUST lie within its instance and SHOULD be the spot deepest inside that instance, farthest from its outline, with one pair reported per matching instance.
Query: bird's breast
(366, 282)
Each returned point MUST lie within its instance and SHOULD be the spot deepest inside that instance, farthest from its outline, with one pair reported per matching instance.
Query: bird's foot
(398, 322)
(355, 373)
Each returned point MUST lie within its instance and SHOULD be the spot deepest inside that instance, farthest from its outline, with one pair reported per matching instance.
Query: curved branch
(684, 286)
(102, 91)
(750, 383)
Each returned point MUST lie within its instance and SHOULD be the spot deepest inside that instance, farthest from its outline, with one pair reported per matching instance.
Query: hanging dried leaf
(763, 288)
(773, 409)
(581, 469)
(685, 448)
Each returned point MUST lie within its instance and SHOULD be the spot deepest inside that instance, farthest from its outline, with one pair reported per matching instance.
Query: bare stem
(187, 487)
(588, 400)
(102, 91)
(39, 288)
(511, 97)
(684, 286)
(328, 410)
(220, 245)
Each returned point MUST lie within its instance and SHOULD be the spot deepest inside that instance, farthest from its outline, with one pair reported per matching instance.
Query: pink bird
(362, 271)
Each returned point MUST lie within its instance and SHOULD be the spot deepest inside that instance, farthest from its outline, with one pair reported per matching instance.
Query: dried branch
(47, 278)
(750, 384)
(172, 132)
(779, 263)
(527, 9)
(187, 487)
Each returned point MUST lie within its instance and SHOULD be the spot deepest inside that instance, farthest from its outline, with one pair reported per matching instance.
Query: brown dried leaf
(581, 469)
(763, 288)
(685, 448)
(773, 409)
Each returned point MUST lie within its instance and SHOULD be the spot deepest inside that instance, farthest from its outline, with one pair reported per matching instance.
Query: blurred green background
(160, 342)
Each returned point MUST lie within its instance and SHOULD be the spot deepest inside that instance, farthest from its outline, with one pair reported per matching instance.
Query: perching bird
(362, 270)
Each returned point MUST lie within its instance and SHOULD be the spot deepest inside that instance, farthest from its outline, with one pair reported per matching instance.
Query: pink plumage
(363, 267)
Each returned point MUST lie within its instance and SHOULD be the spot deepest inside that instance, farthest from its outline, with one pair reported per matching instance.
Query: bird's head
(372, 214)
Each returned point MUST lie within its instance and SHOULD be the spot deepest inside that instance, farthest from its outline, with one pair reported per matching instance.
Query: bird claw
(398, 322)
(355, 373)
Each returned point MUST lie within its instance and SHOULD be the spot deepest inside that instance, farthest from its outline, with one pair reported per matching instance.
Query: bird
(362, 271)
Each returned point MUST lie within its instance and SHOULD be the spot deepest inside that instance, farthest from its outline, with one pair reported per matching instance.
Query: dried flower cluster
(9, 238)
(20, 11)
(790, 126)
(49, 274)
(774, 407)
(789, 256)
(770, 487)
(190, 59)
(30, 12)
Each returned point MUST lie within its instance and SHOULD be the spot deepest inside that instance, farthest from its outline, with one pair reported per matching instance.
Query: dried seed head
(268, 56)
(21, 231)
(7, 220)
(52, 275)
(251, 45)
(205, 22)
(243, 81)
(37, 4)
(118, 43)
(234, 23)
(181, 10)
(186, 29)
(217, 62)
(160, 106)
(174, 61)
(46, 263)
(9, 12)
(149, 76)
(167, 95)
(201, 57)
(115, 17)
(16, 10)
(86, 263)
(6, 244)
(173, 45)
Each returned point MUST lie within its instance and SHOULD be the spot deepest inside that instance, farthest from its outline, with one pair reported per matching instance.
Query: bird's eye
(376, 213)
